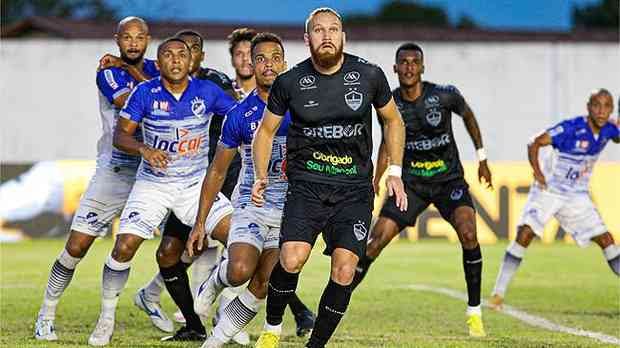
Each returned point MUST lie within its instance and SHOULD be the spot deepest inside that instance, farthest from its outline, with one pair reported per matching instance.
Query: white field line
(523, 316)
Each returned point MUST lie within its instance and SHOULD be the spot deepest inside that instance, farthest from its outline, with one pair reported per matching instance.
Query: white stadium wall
(49, 98)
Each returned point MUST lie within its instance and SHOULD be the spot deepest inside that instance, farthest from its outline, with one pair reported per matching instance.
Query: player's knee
(76, 249)
(343, 274)
(123, 252)
(166, 257)
(238, 272)
(525, 235)
(292, 263)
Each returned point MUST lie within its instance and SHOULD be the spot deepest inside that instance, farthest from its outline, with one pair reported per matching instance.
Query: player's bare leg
(464, 222)
(512, 260)
(382, 234)
(75, 249)
(610, 250)
(115, 276)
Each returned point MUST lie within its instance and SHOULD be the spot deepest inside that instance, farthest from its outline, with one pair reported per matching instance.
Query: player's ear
(423, 68)
(306, 39)
(202, 56)
(395, 67)
(285, 65)
(148, 40)
(157, 64)
(116, 38)
(344, 38)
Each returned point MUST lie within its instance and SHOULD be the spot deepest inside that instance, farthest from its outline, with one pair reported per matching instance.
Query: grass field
(561, 283)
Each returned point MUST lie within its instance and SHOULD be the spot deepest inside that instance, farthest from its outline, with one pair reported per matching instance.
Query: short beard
(132, 61)
(244, 77)
(327, 60)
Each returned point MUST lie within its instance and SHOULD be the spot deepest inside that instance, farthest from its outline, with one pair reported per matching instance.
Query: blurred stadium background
(521, 65)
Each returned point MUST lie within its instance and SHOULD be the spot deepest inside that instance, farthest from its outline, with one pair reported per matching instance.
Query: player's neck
(595, 129)
(246, 85)
(175, 87)
(411, 93)
(328, 71)
(263, 93)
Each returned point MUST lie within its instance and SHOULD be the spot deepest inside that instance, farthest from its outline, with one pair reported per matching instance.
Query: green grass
(562, 283)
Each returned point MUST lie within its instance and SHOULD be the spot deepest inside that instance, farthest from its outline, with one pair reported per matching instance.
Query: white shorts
(103, 200)
(256, 226)
(576, 214)
(149, 203)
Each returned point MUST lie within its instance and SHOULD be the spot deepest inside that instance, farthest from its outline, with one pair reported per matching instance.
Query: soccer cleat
(242, 338)
(267, 340)
(496, 302)
(213, 342)
(186, 334)
(305, 322)
(178, 317)
(154, 311)
(476, 329)
(44, 330)
(205, 296)
(103, 332)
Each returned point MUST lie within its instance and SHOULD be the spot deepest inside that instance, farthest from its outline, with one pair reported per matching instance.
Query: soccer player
(253, 238)
(203, 264)
(241, 59)
(329, 168)
(115, 172)
(434, 173)
(174, 113)
(561, 188)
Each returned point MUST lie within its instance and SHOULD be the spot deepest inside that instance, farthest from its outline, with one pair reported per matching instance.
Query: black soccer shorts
(341, 212)
(446, 196)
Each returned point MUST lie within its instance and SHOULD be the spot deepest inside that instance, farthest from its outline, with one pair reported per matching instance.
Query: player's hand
(157, 158)
(540, 179)
(258, 190)
(195, 242)
(108, 61)
(376, 184)
(395, 187)
(485, 173)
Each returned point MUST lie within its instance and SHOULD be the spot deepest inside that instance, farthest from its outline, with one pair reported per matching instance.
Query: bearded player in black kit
(329, 145)
(433, 172)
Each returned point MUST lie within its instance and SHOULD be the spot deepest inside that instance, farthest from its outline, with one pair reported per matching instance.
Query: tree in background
(410, 12)
(14, 10)
(600, 15)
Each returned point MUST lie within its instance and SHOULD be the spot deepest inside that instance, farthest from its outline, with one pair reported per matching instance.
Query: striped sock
(59, 279)
(237, 315)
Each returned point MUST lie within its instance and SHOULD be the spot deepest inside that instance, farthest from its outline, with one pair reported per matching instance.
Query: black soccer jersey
(431, 154)
(215, 127)
(330, 136)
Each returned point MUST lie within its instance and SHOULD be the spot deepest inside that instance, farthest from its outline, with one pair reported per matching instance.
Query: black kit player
(329, 145)
(433, 172)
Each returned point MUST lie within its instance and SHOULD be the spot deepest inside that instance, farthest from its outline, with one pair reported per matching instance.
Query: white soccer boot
(44, 330)
(154, 311)
(103, 332)
(205, 296)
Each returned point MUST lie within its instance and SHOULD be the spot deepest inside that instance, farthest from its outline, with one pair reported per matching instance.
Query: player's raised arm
(394, 137)
(471, 124)
(533, 148)
(261, 153)
(211, 185)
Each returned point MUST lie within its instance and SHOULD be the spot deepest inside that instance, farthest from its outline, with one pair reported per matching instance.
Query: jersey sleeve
(456, 101)
(112, 84)
(135, 106)
(231, 130)
(223, 101)
(382, 89)
(278, 98)
(559, 133)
